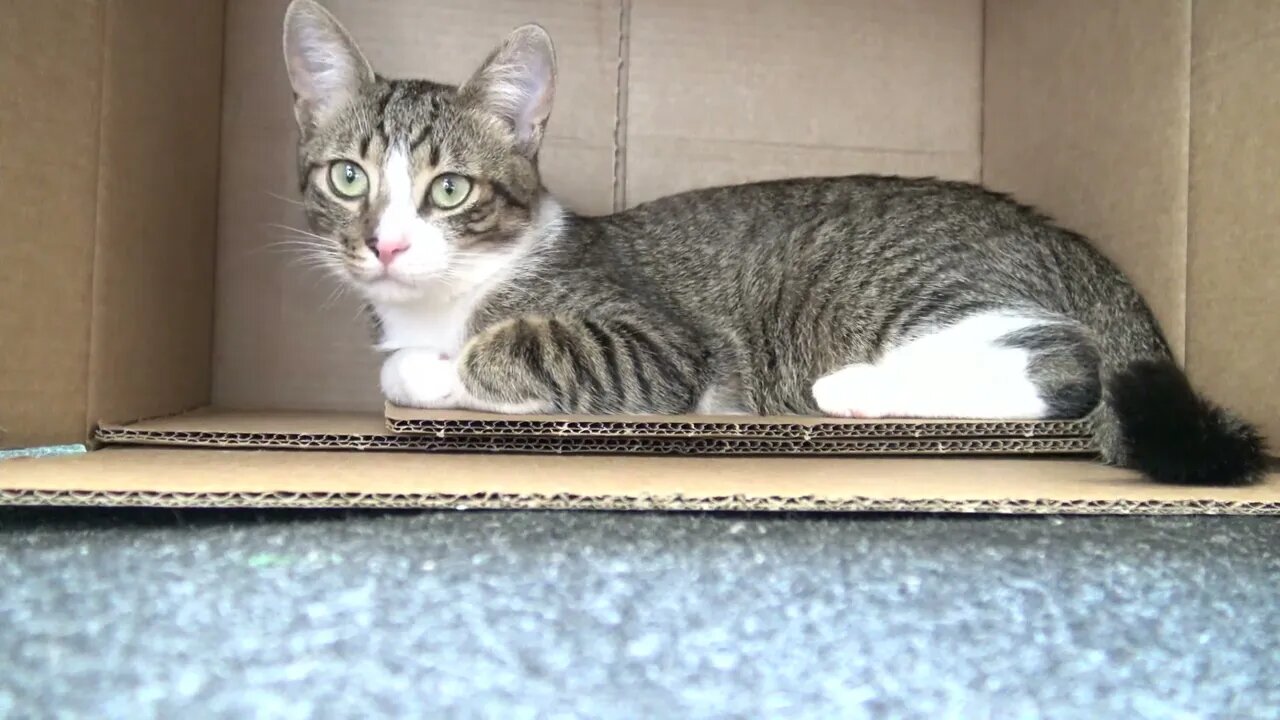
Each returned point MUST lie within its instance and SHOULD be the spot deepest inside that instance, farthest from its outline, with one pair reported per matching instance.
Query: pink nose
(388, 249)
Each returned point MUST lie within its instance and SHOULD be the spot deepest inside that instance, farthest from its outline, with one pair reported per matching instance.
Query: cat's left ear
(517, 84)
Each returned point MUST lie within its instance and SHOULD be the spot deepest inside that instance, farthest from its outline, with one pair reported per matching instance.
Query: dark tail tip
(1175, 436)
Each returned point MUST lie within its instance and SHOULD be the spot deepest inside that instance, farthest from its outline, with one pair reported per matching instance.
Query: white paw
(421, 378)
(856, 391)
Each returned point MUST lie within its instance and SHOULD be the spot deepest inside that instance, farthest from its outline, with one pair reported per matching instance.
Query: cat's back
(856, 201)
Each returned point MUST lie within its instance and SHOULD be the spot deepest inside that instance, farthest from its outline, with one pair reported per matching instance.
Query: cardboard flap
(151, 342)
(50, 72)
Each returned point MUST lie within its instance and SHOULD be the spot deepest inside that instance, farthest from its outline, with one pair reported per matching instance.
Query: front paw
(421, 378)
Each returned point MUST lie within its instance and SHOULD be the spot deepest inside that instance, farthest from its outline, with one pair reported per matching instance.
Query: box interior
(157, 157)
(1081, 108)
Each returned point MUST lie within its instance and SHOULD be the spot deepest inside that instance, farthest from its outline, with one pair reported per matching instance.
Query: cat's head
(413, 185)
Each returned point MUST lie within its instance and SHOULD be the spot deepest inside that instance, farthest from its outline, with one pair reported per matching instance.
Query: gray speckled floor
(158, 614)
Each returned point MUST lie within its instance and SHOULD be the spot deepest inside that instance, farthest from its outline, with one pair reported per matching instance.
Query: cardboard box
(147, 167)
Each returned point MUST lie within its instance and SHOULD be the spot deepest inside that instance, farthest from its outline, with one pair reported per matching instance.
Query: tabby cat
(861, 296)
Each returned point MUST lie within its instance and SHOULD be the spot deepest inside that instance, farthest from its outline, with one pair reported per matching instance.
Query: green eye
(449, 191)
(348, 180)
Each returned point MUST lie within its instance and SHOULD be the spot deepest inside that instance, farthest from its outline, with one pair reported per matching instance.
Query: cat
(860, 296)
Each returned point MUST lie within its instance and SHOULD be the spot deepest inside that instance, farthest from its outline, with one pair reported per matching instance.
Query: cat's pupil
(448, 187)
(350, 173)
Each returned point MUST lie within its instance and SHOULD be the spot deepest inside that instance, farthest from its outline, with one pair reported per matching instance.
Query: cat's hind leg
(992, 365)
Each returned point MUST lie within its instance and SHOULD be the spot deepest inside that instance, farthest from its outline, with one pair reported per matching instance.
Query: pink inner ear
(536, 97)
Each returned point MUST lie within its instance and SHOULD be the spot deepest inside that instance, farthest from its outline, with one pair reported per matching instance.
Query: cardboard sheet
(798, 427)
(228, 478)
(472, 433)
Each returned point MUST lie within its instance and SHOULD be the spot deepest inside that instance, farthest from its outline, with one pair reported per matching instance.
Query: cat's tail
(1153, 421)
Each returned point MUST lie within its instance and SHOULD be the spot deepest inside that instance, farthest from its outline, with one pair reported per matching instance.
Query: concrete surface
(137, 614)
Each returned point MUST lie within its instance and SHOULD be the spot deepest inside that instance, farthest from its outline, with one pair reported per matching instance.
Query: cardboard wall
(157, 211)
(1233, 272)
(109, 166)
(810, 87)
(1146, 124)
(1086, 117)
(50, 69)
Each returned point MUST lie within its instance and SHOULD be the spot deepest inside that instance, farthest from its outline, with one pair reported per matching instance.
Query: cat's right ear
(326, 68)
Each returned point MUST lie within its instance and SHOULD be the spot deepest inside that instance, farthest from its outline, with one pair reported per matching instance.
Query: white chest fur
(437, 320)
(436, 323)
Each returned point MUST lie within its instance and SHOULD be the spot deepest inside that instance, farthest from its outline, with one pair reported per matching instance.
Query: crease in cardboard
(95, 264)
(982, 91)
(223, 91)
(1185, 188)
(620, 107)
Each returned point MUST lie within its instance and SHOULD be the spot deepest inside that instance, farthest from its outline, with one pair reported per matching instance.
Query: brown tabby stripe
(584, 372)
(609, 354)
(506, 194)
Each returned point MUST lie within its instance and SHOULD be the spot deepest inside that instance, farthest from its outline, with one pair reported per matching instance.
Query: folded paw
(421, 378)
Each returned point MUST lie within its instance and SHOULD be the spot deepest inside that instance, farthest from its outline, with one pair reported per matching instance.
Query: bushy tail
(1153, 421)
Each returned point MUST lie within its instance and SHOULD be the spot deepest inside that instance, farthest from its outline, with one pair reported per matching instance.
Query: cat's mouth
(385, 281)
(384, 278)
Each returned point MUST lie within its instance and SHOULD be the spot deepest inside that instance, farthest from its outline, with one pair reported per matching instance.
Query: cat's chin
(391, 290)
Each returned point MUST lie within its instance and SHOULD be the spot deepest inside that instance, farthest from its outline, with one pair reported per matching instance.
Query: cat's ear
(517, 84)
(326, 68)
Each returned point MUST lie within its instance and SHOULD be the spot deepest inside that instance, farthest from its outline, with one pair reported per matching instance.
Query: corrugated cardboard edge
(666, 503)
(441, 423)
(214, 428)
(591, 445)
(225, 478)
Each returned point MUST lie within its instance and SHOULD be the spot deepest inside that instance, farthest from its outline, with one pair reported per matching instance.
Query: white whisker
(300, 231)
(282, 198)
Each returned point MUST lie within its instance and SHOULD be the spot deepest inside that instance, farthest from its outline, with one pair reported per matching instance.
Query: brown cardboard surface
(360, 431)
(286, 336)
(136, 476)
(157, 208)
(1085, 116)
(759, 90)
(1233, 329)
(50, 62)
